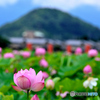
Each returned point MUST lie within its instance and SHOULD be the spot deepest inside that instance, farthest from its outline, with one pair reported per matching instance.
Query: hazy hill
(54, 24)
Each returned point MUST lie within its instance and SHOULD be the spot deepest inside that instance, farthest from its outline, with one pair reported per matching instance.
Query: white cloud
(66, 4)
(7, 2)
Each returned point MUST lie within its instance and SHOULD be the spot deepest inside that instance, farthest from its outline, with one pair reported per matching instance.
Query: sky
(87, 10)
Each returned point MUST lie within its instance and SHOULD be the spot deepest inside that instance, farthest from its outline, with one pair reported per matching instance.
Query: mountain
(53, 23)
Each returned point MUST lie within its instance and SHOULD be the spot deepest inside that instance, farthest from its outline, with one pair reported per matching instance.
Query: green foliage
(53, 23)
(69, 76)
(6, 97)
(6, 81)
(94, 98)
(70, 85)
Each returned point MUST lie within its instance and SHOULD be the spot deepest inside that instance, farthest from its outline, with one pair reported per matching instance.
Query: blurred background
(60, 23)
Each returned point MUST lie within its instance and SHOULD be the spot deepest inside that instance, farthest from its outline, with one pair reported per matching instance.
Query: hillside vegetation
(54, 23)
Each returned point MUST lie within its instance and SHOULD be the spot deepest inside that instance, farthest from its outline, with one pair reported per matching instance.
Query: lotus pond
(66, 71)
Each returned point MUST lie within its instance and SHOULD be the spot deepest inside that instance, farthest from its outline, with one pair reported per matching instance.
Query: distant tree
(4, 42)
(84, 37)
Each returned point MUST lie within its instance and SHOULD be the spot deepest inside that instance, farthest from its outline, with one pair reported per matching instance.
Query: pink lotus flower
(53, 72)
(63, 95)
(97, 59)
(92, 53)
(78, 51)
(16, 52)
(43, 63)
(87, 69)
(40, 51)
(26, 54)
(8, 55)
(45, 75)
(28, 80)
(7, 71)
(0, 49)
(50, 84)
(35, 97)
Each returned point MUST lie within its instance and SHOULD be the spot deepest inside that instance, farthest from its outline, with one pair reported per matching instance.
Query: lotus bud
(53, 72)
(44, 63)
(0, 49)
(78, 51)
(50, 84)
(40, 51)
(7, 71)
(45, 75)
(23, 82)
(92, 53)
(87, 69)
(35, 97)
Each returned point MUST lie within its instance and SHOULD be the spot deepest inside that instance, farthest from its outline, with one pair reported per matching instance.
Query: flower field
(55, 75)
